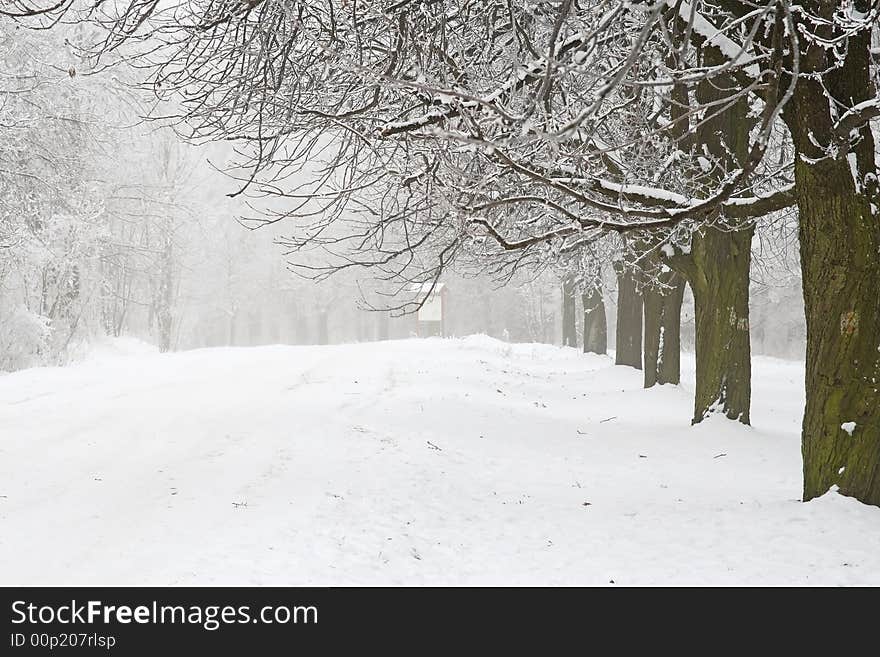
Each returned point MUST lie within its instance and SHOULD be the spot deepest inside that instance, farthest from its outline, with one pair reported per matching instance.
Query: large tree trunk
(840, 242)
(720, 282)
(595, 322)
(662, 306)
(569, 318)
(629, 319)
(718, 267)
(840, 260)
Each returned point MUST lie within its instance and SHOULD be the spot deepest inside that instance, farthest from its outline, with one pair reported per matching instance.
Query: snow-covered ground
(408, 462)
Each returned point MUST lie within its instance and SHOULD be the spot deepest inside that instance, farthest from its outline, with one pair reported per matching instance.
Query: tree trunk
(840, 241)
(595, 322)
(670, 364)
(662, 306)
(653, 311)
(718, 269)
(165, 300)
(323, 332)
(301, 329)
(231, 329)
(629, 320)
(720, 283)
(840, 261)
(382, 330)
(569, 320)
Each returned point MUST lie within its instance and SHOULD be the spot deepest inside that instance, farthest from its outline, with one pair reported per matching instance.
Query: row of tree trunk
(648, 333)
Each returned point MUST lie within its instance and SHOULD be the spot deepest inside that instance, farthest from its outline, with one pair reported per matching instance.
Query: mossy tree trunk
(629, 319)
(720, 283)
(662, 306)
(569, 317)
(840, 242)
(838, 202)
(718, 267)
(595, 321)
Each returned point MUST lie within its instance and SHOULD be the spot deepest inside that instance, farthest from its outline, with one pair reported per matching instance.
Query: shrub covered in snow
(24, 338)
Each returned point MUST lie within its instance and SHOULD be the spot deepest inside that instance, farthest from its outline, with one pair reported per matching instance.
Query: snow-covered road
(407, 462)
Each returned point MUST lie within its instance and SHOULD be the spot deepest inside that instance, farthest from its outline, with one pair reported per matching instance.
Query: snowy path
(411, 462)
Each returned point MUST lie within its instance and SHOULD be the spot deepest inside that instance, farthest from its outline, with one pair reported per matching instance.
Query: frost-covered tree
(50, 215)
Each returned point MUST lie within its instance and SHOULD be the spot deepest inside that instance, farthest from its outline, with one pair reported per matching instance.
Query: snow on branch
(711, 36)
(531, 72)
(857, 116)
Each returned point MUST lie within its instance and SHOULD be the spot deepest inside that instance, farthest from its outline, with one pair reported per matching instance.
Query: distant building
(431, 318)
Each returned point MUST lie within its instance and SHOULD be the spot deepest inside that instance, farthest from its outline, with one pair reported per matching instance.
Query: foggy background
(111, 225)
